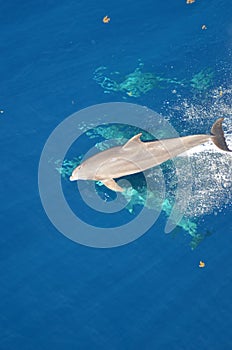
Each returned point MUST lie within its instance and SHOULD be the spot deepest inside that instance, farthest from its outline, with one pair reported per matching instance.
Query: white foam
(211, 167)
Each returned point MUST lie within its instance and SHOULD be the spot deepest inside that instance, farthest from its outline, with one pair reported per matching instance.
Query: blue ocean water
(149, 294)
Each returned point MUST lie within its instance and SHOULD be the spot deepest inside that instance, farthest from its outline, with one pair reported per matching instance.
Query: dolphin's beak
(72, 178)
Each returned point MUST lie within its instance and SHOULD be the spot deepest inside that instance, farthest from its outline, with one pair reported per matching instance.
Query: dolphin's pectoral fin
(132, 141)
(112, 185)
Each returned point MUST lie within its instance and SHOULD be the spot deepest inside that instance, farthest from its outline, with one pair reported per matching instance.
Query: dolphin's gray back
(169, 148)
(140, 156)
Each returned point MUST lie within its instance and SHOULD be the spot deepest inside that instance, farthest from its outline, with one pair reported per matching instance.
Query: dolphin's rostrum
(136, 156)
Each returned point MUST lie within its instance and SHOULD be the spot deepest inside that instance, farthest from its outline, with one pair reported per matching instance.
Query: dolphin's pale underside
(136, 156)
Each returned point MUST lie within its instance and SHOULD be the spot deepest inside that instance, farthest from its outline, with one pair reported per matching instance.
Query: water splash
(211, 167)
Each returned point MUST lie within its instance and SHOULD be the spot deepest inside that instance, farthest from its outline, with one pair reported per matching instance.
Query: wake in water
(211, 168)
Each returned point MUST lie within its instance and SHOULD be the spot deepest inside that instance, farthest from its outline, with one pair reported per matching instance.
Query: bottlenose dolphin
(136, 156)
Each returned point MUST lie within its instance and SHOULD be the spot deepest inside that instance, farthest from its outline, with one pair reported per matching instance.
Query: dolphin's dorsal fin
(132, 141)
(112, 185)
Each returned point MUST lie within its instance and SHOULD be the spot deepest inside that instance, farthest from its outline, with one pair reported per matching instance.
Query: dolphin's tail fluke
(218, 135)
